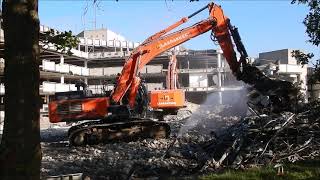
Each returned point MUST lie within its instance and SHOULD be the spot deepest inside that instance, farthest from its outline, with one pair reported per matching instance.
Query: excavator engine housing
(170, 98)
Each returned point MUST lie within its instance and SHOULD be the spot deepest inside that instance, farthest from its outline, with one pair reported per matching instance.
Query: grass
(300, 170)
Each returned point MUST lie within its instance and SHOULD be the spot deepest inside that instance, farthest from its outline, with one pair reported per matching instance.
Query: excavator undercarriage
(123, 124)
(106, 131)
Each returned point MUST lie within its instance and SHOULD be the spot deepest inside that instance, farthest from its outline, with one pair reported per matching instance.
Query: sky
(263, 25)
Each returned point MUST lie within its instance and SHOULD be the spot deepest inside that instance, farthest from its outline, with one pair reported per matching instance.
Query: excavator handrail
(200, 10)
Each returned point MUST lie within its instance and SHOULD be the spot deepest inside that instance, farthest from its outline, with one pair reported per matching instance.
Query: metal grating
(69, 108)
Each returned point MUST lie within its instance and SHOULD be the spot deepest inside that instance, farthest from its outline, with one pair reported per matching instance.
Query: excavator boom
(162, 41)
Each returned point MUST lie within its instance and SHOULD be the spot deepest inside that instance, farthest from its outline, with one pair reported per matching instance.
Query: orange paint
(78, 109)
(164, 99)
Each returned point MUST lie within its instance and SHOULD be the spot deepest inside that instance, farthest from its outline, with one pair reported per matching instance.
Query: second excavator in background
(126, 113)
(170, 100)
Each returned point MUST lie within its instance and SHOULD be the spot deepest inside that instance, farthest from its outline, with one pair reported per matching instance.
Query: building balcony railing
(205, 70)
(290, 68)
(52, 87)
(64, 68)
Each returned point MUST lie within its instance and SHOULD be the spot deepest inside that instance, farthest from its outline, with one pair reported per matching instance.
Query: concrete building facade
(103, 34)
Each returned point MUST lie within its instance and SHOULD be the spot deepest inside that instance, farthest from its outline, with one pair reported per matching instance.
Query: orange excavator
(124, 113)
(170, 100)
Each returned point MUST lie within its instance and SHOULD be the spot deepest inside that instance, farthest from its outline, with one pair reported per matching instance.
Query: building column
(206, 65)
(86, 49)
(61, 59)
(61, 63)
(62, 79)
(128, 47)
(219, 52)
(188, 64)
(220, 97)
(85, 62)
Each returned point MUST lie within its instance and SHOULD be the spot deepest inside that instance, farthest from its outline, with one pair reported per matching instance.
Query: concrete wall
(111, 71)
(198, 80)
(104, 34)
(2, 88)
(154, 86)
(1, 63)
(115, 70)
(154, 68)
(96, 71)
(98, 89)
(52, 87)
(64, 68)
(297, 72)
(283, 56)
(143, 70)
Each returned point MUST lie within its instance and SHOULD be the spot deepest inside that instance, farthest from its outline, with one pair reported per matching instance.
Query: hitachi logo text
(183, 36)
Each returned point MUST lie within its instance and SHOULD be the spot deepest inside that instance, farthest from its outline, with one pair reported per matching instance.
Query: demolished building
(280, 64)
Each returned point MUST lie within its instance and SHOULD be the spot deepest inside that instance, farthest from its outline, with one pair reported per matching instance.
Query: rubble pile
(183, 113)
(143, 158)
(283, 95)
(205, 142)
(260, 140)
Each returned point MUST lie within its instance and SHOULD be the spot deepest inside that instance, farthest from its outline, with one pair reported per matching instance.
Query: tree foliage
(312, 23)
(302, 58)
(312, 20)
(62, 41)
(315, 74)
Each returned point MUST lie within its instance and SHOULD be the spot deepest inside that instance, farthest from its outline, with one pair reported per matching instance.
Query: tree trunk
(20, 151)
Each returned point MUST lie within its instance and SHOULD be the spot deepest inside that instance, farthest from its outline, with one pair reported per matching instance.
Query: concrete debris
(139, 159)
(282, 95)
(206, 142)
(183, 113)
(262, 140)
(77, 176)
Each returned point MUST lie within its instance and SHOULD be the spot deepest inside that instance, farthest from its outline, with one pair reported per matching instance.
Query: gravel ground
(140, 159)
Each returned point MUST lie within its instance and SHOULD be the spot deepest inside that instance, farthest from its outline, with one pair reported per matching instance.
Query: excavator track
(100, 132)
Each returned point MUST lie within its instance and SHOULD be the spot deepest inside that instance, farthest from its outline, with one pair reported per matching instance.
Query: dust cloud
(219, 111)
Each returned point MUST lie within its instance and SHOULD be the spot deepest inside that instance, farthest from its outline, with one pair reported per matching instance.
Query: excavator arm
(162, 41)
(281, 93)
(172, 75)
